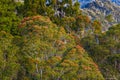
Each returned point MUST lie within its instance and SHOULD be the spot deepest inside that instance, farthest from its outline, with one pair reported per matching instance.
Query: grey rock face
(99, 9)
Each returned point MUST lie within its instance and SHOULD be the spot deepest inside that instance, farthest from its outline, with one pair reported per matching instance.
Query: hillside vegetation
(54, 40)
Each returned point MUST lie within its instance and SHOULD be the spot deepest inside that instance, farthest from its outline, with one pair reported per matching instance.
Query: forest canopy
(55, 40)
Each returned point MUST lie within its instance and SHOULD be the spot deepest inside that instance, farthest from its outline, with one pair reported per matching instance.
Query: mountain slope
(116, 2)
(100, 9)
(85, 2)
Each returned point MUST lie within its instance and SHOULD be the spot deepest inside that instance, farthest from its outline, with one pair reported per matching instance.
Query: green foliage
(106, 52)
(8, 18)
(48, 52)
(72, 9)
(50, 47)
(9, 65)
(109, 18)
(97, 27)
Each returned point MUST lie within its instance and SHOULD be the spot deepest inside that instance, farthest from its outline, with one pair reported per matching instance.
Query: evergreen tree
(48, 52)
(8, 18)
(9, 65)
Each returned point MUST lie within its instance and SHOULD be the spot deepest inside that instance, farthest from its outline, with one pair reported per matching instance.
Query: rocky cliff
(104, 10)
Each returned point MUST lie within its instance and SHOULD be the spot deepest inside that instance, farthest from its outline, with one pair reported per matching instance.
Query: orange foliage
(37, 27)
(31, 60)
(69, 63)
(87, 19)
(30, 20)
(79, 17)
(95, 65)
(86, 67)
(64, 64)
(25, 19)
(60, 42)
(59, 57)
(36, 17)
(22, 25)
(62, 47)
(54, 59)
(80, 49)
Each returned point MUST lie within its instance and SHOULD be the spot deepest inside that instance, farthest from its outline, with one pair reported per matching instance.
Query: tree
(106, 52)
(35, 7)
(8, 20)
(97, 27)
(109, 18)
(48, 52)
(9, 65)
